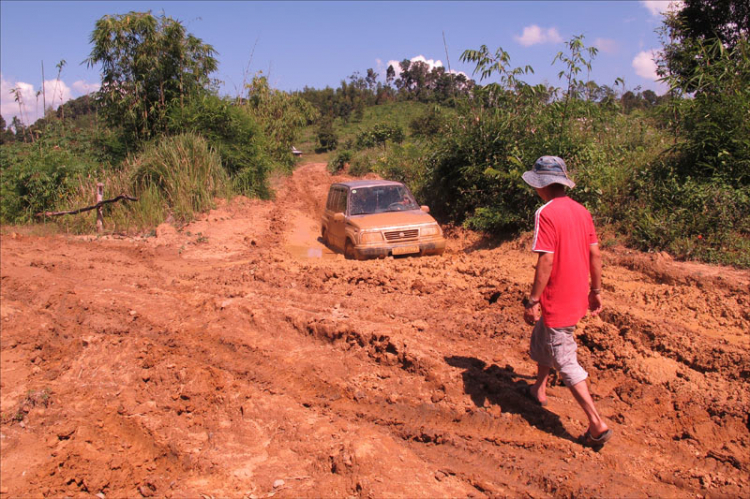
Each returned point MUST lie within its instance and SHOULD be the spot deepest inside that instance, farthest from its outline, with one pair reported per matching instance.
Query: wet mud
(240, 357)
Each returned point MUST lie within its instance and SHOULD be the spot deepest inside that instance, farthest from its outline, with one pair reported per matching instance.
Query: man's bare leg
(539, 389)
(583, 397)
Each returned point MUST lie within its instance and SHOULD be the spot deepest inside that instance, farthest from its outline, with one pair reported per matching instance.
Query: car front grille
(401, 235)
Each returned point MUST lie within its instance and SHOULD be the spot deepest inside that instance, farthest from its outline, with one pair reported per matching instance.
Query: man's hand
(595, 268)
(595, 303)
(532, 314)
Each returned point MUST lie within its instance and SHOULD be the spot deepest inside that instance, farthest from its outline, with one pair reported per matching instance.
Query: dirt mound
(239, 357)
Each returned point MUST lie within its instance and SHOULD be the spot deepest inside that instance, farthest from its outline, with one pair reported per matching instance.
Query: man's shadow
(504, 387)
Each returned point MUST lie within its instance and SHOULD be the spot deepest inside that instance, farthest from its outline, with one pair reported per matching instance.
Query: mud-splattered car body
(378, 218)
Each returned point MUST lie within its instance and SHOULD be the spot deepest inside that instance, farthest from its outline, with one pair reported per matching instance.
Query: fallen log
(88, 208)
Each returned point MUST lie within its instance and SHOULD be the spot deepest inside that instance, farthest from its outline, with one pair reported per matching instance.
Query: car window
(334, 200)
(341, 201)
(381, 199)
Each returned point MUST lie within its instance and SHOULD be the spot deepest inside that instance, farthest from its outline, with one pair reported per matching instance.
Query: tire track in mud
(420, 424)
(374, 283)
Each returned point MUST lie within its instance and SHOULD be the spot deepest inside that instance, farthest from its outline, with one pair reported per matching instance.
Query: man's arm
(595, 269)
(541, 278)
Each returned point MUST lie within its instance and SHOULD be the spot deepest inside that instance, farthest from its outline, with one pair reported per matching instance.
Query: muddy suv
(378, 218)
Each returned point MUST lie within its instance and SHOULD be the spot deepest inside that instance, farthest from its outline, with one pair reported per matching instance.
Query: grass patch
(175, 177)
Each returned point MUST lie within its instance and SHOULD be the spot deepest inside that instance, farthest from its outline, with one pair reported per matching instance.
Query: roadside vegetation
(157, 130)
(664, 173)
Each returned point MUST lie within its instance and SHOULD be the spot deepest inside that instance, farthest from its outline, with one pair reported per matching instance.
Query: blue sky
(318, 44)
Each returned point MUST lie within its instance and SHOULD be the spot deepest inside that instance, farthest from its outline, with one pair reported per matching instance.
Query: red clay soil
(238, 357)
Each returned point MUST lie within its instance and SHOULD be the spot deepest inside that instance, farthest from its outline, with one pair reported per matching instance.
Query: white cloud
(644, 64)
(606, 45)
(57, 93)
(431, 63)
(27, 109)
(659, 7)
(84, 88)
(534, 35)
(32, 100)
(453, 71)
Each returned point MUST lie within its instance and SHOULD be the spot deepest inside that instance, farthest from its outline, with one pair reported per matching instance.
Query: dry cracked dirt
(238, 357)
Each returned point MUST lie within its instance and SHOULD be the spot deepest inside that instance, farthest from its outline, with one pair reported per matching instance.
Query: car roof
(358, 184)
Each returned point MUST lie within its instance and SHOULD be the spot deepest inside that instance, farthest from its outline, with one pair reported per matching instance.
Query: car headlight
(370, 237)
(431, 230)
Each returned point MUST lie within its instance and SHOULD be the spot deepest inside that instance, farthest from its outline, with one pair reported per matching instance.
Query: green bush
(364, 162)
(178, 176)
(379, 134)
(694, 201)
(402, 163)
(691, 218)
(429, 123)
(478, 162)
(339, 161)
(36, 178)
(185, 172)
(327, 137)
(234, 134)
(281, 116)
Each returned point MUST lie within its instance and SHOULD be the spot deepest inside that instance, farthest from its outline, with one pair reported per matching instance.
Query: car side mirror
(338, 217)
(424, 208)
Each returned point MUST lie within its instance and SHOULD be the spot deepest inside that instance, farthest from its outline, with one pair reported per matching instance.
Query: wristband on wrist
(596, 291)
(528, 302)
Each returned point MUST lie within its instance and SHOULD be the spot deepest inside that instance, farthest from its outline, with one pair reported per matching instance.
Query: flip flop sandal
(530, 396)
(595, 443)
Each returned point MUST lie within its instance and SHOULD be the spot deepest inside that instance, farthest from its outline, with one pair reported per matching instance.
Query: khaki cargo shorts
(556, 347)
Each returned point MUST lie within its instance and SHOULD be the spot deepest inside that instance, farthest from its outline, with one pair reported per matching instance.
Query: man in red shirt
(565, 239)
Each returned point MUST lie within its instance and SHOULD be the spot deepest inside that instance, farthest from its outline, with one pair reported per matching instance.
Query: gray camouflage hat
(548, 170)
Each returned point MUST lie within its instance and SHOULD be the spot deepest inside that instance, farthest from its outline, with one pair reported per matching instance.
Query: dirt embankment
(239, 357)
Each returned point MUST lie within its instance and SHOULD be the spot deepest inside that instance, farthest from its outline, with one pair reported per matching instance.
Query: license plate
(405, 250)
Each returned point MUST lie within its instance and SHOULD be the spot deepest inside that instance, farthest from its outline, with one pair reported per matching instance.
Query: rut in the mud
(221, 359)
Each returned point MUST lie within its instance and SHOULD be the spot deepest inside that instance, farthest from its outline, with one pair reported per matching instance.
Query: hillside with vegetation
(661, 173)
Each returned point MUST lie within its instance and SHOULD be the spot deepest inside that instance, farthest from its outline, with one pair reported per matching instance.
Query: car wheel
(349, 253)
(324, 237)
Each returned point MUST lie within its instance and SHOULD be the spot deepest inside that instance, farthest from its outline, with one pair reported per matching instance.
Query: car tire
(324, 237)
(349, 253)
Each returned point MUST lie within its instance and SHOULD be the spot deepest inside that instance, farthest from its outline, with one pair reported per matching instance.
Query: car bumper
(429, 247)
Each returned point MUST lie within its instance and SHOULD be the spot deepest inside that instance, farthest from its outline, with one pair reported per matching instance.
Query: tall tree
(371, 79)
(148, 63)
(698, 24)
(6, 134)
(282, 116)
(708, 55)
(390, 75)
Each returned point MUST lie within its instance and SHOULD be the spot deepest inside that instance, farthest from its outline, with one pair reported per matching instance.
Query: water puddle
(308, 252)
(303, 240)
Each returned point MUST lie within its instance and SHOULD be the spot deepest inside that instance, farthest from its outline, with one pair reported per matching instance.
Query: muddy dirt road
(238, 357)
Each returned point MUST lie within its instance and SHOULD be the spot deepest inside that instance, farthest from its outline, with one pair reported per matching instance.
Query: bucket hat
(548, 170)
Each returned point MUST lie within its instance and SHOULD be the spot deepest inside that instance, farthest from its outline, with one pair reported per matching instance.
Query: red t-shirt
(565, 228)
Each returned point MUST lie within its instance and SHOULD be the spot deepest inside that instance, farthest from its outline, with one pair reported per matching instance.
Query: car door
(337, 228)
(328, 215)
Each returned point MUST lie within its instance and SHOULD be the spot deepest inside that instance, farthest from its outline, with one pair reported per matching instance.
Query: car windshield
(381, 199)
